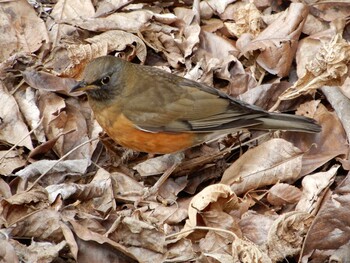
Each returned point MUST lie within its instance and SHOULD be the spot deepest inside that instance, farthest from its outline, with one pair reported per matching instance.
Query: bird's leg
(177, 160)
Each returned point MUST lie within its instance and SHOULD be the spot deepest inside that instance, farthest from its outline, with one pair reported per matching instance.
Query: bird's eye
(105, 80)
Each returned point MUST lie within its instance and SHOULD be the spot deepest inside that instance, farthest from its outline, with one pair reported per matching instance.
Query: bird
(146, 109)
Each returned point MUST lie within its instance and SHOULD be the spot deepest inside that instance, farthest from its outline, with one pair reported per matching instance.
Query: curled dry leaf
(21, 29)
(64, 10)
(132, 21)
(62, 117)
(10, 161)
(287, 234)
(272, 161)
(43, 252)
(247, 20)
(279, 41)
(142, 239)
(283, 194)
(174, 214)
(324, 146)
(191, 29)
(77, 191)
(27, 103)
(255, 227)
(117, 40)
(33, 196)
(341, 104)
(8, 252)
(12, 127)
(56, 169)
(314, 25)
(329, 233)
(328, 67)
(46, 81)
(218, 198)
(314, 186)
(246, 252)
(210, 7)
(107, 7)
(41, 225)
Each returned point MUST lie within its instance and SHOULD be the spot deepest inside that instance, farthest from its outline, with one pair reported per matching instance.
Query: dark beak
(80, 86)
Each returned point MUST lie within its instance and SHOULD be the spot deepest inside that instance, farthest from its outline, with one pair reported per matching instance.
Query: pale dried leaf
(65, 10)
(43, 225)
(107, 7)
(51, 166)
(45, 81)
(245, 251)
(8, 252)
(43, 252)
(117, 40)
(170, 214)
(27, 103)
(21, 29)
(33, 196)
(10, 161)
(329, 233)
(287, 234)
(273, 161)
(340, 104)
(314, 25)
(12, 127)
(314, 186)
(69, 60)
(283, 194)
(117, 250)
(213, 6)
(279, 41)
(131, 22)
(321, 147)
(221, 200)
(247, 20)
(77, 191)
(255, 227)
(328, 67)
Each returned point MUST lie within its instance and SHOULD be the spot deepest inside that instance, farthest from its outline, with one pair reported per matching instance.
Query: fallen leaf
(271, 162)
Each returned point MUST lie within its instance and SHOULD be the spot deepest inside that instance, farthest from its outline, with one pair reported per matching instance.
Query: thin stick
(202, 228)
(59, 160)
(21, 140)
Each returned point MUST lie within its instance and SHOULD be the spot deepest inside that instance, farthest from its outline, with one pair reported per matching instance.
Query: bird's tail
(280, 121)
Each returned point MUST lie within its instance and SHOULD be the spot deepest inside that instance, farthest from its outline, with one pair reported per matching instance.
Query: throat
(100, 95)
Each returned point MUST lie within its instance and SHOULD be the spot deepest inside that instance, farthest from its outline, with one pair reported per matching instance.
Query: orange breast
(125, 133)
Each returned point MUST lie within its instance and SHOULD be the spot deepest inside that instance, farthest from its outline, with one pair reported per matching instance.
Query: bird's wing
(182, 105)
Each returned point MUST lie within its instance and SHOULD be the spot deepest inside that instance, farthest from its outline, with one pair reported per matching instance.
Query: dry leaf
(324, 146)
(328, 67)
(283, 194)
(43, 252)
(247, 20)
(10, 161)
(12, 127)
(329, 233)
(279, 41)
(21, 29)
(287, 234)
(314, 186)
(273, 161)
(220, 199)
(64, 10)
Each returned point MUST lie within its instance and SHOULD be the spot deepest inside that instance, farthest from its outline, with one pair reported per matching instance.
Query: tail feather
(280, 121)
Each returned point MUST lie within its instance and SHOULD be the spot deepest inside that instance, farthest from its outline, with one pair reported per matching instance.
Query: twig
(59, 160)
(21, 140)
